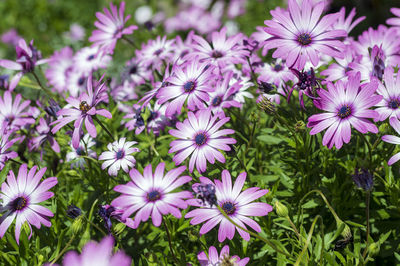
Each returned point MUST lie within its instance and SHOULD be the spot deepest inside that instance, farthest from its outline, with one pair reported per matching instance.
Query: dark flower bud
(3, 81)
(363, 179)
(53, 108)
(73, 211)
(149, 25)
(206, 193)
(266, 87)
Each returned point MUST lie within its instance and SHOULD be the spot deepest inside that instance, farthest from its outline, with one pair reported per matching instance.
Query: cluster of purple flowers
(191, 85)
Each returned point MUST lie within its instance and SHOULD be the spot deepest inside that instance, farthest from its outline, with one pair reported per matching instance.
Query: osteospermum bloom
(190, 82)
(395, 123)
(59, 65)
(81, 111)
(151, 194)
(200, 137)
(389, 105)
(119, 155)
(110, 28)
(237, 205)
(43, 129)
(84, 149)
(14, 113)
(5, 144)
(346, 105)
(215, 259)
(99, 254)
(301, 35)
(21, 198)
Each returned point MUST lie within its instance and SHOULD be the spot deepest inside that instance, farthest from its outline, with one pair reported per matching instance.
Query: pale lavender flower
(214, 259)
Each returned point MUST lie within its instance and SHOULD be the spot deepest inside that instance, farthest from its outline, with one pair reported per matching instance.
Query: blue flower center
(229, 208)
(81, 80)
(90, 57)
(19, 203)
(189, 86)
(217, 54)
(344, 111)
(200, 139)
(394, 103)
(278, 67)
(304, 39)
(217, 101)
(120, 154)
(80, 151)
(153, 195)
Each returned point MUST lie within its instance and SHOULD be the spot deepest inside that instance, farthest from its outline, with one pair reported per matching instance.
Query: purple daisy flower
(14, 113)
(155, 52)
(21, 198)
(110, 28)
(236, 204)
(389, 105)
(90, 59)
(222, 259)
(44, 135)
(59, 64)
(277, 73)
(27, 58)
(76, 154)
(150, 194)
(222, 51)
(190, 82)
(94, 253)
(81, 111)
(5, 144)
(135, 119)
(395, 123)
(394, 21)
(347, 104)
(199, 137)
(119, 155)
(301, 35)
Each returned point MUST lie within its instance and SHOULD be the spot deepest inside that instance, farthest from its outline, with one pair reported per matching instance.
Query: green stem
(12, 160)
(294, 227)
(241, 162)
(130, 42)
(96, 226)
(367, 200)
(170, 243)
(251, 233)
(369, 147)
(103, 127)
(64, 249)
(40, 84)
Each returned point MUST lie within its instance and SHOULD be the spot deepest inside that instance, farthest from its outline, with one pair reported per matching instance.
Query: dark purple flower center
(200, 139)
(153, 195)
(394, 103)
(133, 70)
(84, 106)
(278, 67)
(158, 52)
(90, 57)
(229, 208)
(19, 203)
(304, 39)
(81, 80)
(344, 111)
(217, 54)
(189, 86)
(120, 154)
(80, 151)
(217, 101)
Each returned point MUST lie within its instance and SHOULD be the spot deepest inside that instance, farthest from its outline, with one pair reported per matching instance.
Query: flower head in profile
(106, 212)
(152, 194)
(14, 113)
(81, 111)
(389, 105)
(302, 35)
(110, 27)
(395, 123)
(27, 58)
(224, 257)
(21, 197)
(5, 144)
(119, 155)
(44, 135)
(200, 137)
(346, 105)
(236, 204)
(84, 149)
(100, 254)
(191, 82)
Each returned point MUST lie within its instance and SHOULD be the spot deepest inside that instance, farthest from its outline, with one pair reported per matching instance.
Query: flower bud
(119, 228)
(281, 209)
(73, 211)
(266, 105)
(253, 117)
(299, 126)
(363, 179)
(77, 224)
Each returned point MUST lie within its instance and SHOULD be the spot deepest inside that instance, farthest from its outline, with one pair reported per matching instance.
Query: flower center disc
(278, 67)
(394, 104)
(189, 86)
(344, 111)
(200, 139)
(304, 39)
(229, 208)
(120, 154)
(84, 107)
(217, 54)
(19, 203)
(217, 101)
(153, 195)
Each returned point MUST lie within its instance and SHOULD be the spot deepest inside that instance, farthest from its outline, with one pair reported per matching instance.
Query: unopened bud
(254, 117)
(266, 105)
(299, 126)
(281, 209)
(77, 225)
(119, 228)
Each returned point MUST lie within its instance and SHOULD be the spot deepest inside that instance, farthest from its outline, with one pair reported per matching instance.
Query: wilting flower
(94, 253)
(81, 111)
(119, 155)
(21, 198)
(44, 135)
(5, 144)
(389, 105)
(14, 114)
(135, 119)
(307, 84)
(236, 204)
(27, 58)
(363, 179)
(151, 194)
(301, 35)
(346, 105)
(110, 28)
(206, 193)
(214, 259)
(190, 82)
(395, 123)
(199, 137)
